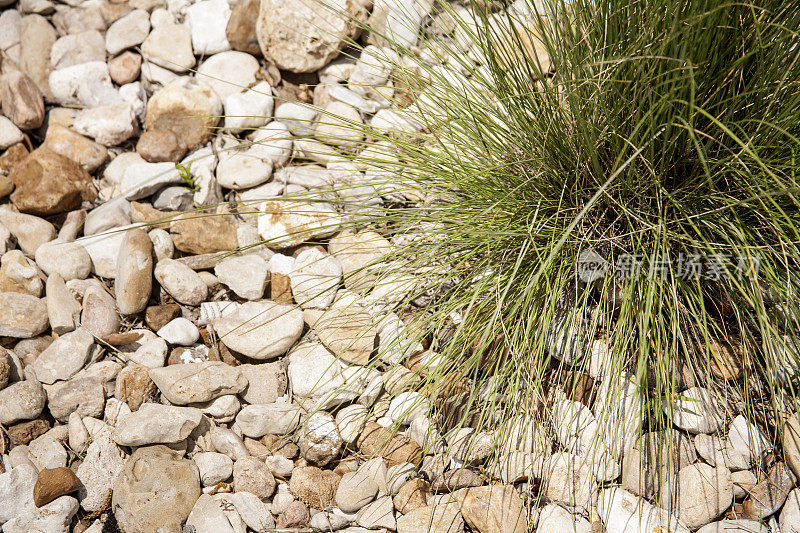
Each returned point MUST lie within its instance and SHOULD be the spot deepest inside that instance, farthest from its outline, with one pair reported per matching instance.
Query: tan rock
(5, 368)
(199, 233)
(411, 496)
(791, 443)
(439, 519)
(376, 440)
(53, 483)
(30, 231)
(302, 36)
(157, 316)
(170, 46)
(48, 183)
(134, 386)
(338, 125)
(158, 146)
(62, 140)
(241, 29)
(147, 214)
(349, 331)
(314, 486)
(452, 480)
(769, 495)
(252, 475)
(21, 315)
(286, 223)
(20, 274)
(134, 280)
(37, 37)
(188, 108)
(493, 509)
(13, 155)
(725, 360)
(703, 493)
(197, 382)
(22, 100)
(125, 68)
(359, 254)
(155, 491)
(280, 286)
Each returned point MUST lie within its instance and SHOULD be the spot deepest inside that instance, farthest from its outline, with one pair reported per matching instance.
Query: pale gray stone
(261, 330)
(23, 400)
(277, 418)
(197, 382)
(54, 517)
(214, 467)
(156, 424)
(246, 275)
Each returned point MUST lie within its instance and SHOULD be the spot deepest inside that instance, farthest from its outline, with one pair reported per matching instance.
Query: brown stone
(146, 213)
(5, 368)
(280, 288)
(579, 386)
(48, 183)
(134, 386)
(724, 360)
(125, 68)
(5, 444)
(10, 158)
(376, 440)
(493, 509)
(9, 282)
(158, 316)
(23, 102)
(24, 432)
(256, 449)
(280, 446)
(29, 349)
(87, 153)
(134, 280)
(122, 339)
(204, 234)
(314, 486)
(241, 29)
(220, 352)
(456, 479)
(188, 108)
(53, 483)
(412, 495)
(113, 11)
(296, 515)
(769, 494)
(6, 186)
(400, 379)
(158, 146)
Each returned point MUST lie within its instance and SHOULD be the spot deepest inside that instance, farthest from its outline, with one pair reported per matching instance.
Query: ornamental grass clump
(602, 189)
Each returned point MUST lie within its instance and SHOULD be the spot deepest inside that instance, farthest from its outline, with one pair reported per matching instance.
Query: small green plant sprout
(185, 172)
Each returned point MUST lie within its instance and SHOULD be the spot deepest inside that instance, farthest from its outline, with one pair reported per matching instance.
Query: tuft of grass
(654, 141)
(646, 138)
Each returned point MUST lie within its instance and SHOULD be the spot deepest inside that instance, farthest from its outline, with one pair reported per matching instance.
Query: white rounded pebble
(179, 331)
